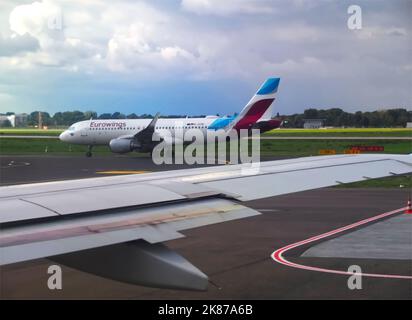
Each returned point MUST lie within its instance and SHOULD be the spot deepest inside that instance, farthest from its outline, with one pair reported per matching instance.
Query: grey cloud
(12, 45)
(396, 32)
(306, 42)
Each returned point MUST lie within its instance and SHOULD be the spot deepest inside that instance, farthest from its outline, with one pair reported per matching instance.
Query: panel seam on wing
(39, 205)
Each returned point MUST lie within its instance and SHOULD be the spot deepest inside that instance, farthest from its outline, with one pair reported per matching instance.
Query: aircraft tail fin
(259, 107)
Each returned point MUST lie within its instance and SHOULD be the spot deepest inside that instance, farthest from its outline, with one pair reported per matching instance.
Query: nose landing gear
(89, 151)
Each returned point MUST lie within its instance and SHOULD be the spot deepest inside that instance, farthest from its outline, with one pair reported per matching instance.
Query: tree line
(69, 117)
(334, 117)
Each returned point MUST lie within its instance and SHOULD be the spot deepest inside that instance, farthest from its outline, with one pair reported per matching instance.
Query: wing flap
(44, 239)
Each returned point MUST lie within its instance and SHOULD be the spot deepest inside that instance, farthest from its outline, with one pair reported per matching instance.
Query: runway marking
(122, 172)
(14, 164)
(277, 255)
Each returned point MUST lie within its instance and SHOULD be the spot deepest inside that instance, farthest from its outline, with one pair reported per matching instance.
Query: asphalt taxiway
(237, 255)
(262, 137)
(28, 169)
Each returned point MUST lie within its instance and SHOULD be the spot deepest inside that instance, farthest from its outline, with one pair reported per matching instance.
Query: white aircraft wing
(113, 226)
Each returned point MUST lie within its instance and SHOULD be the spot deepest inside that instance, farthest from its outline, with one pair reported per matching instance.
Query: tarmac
(236, 255)
(262, 137)
(388, 239)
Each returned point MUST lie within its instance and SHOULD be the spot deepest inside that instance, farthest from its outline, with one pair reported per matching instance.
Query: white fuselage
(101, 132)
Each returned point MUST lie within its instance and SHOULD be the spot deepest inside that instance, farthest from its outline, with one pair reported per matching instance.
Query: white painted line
(267, 210)
(278, 254)
(14, 164)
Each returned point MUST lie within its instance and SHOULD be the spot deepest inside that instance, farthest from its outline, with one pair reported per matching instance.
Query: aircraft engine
(123, 145)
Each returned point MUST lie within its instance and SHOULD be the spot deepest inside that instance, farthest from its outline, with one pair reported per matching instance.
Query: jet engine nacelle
(122, 145)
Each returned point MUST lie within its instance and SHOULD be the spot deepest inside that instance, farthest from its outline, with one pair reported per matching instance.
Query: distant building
(3, 120)
(16, 120)
(313, 123)
(409, 124)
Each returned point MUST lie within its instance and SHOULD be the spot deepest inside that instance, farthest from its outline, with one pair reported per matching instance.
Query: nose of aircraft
(63, 136)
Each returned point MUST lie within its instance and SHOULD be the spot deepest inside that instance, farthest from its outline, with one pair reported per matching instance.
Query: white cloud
(36, 19)
(140, 47)
(204, 39)
(380, 32)
(44, 21)
(227, 7)
(171, 53)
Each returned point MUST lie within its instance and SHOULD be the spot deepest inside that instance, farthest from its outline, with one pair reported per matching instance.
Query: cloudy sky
(202, 56)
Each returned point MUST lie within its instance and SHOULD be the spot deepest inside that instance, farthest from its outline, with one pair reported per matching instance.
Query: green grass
(268, 147)
(342, 132)
(30, 132)
(312, 147)
(44, 146)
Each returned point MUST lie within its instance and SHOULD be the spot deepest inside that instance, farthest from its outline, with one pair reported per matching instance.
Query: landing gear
(89, 152)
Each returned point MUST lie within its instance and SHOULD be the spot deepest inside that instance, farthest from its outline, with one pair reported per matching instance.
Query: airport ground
(286, 132)
(237, 255)
(18, 169)
(285, 147)
(270, 146)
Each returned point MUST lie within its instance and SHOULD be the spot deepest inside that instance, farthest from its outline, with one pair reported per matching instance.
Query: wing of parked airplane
(114, 226)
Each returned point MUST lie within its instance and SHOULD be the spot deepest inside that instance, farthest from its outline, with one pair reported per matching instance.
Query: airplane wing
(145, 136)
(142, 141)
(114, 226)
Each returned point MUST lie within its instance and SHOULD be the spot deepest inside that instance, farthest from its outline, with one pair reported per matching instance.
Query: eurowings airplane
(128, 135)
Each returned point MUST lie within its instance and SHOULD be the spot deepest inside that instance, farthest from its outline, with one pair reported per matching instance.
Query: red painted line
(278, 254)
